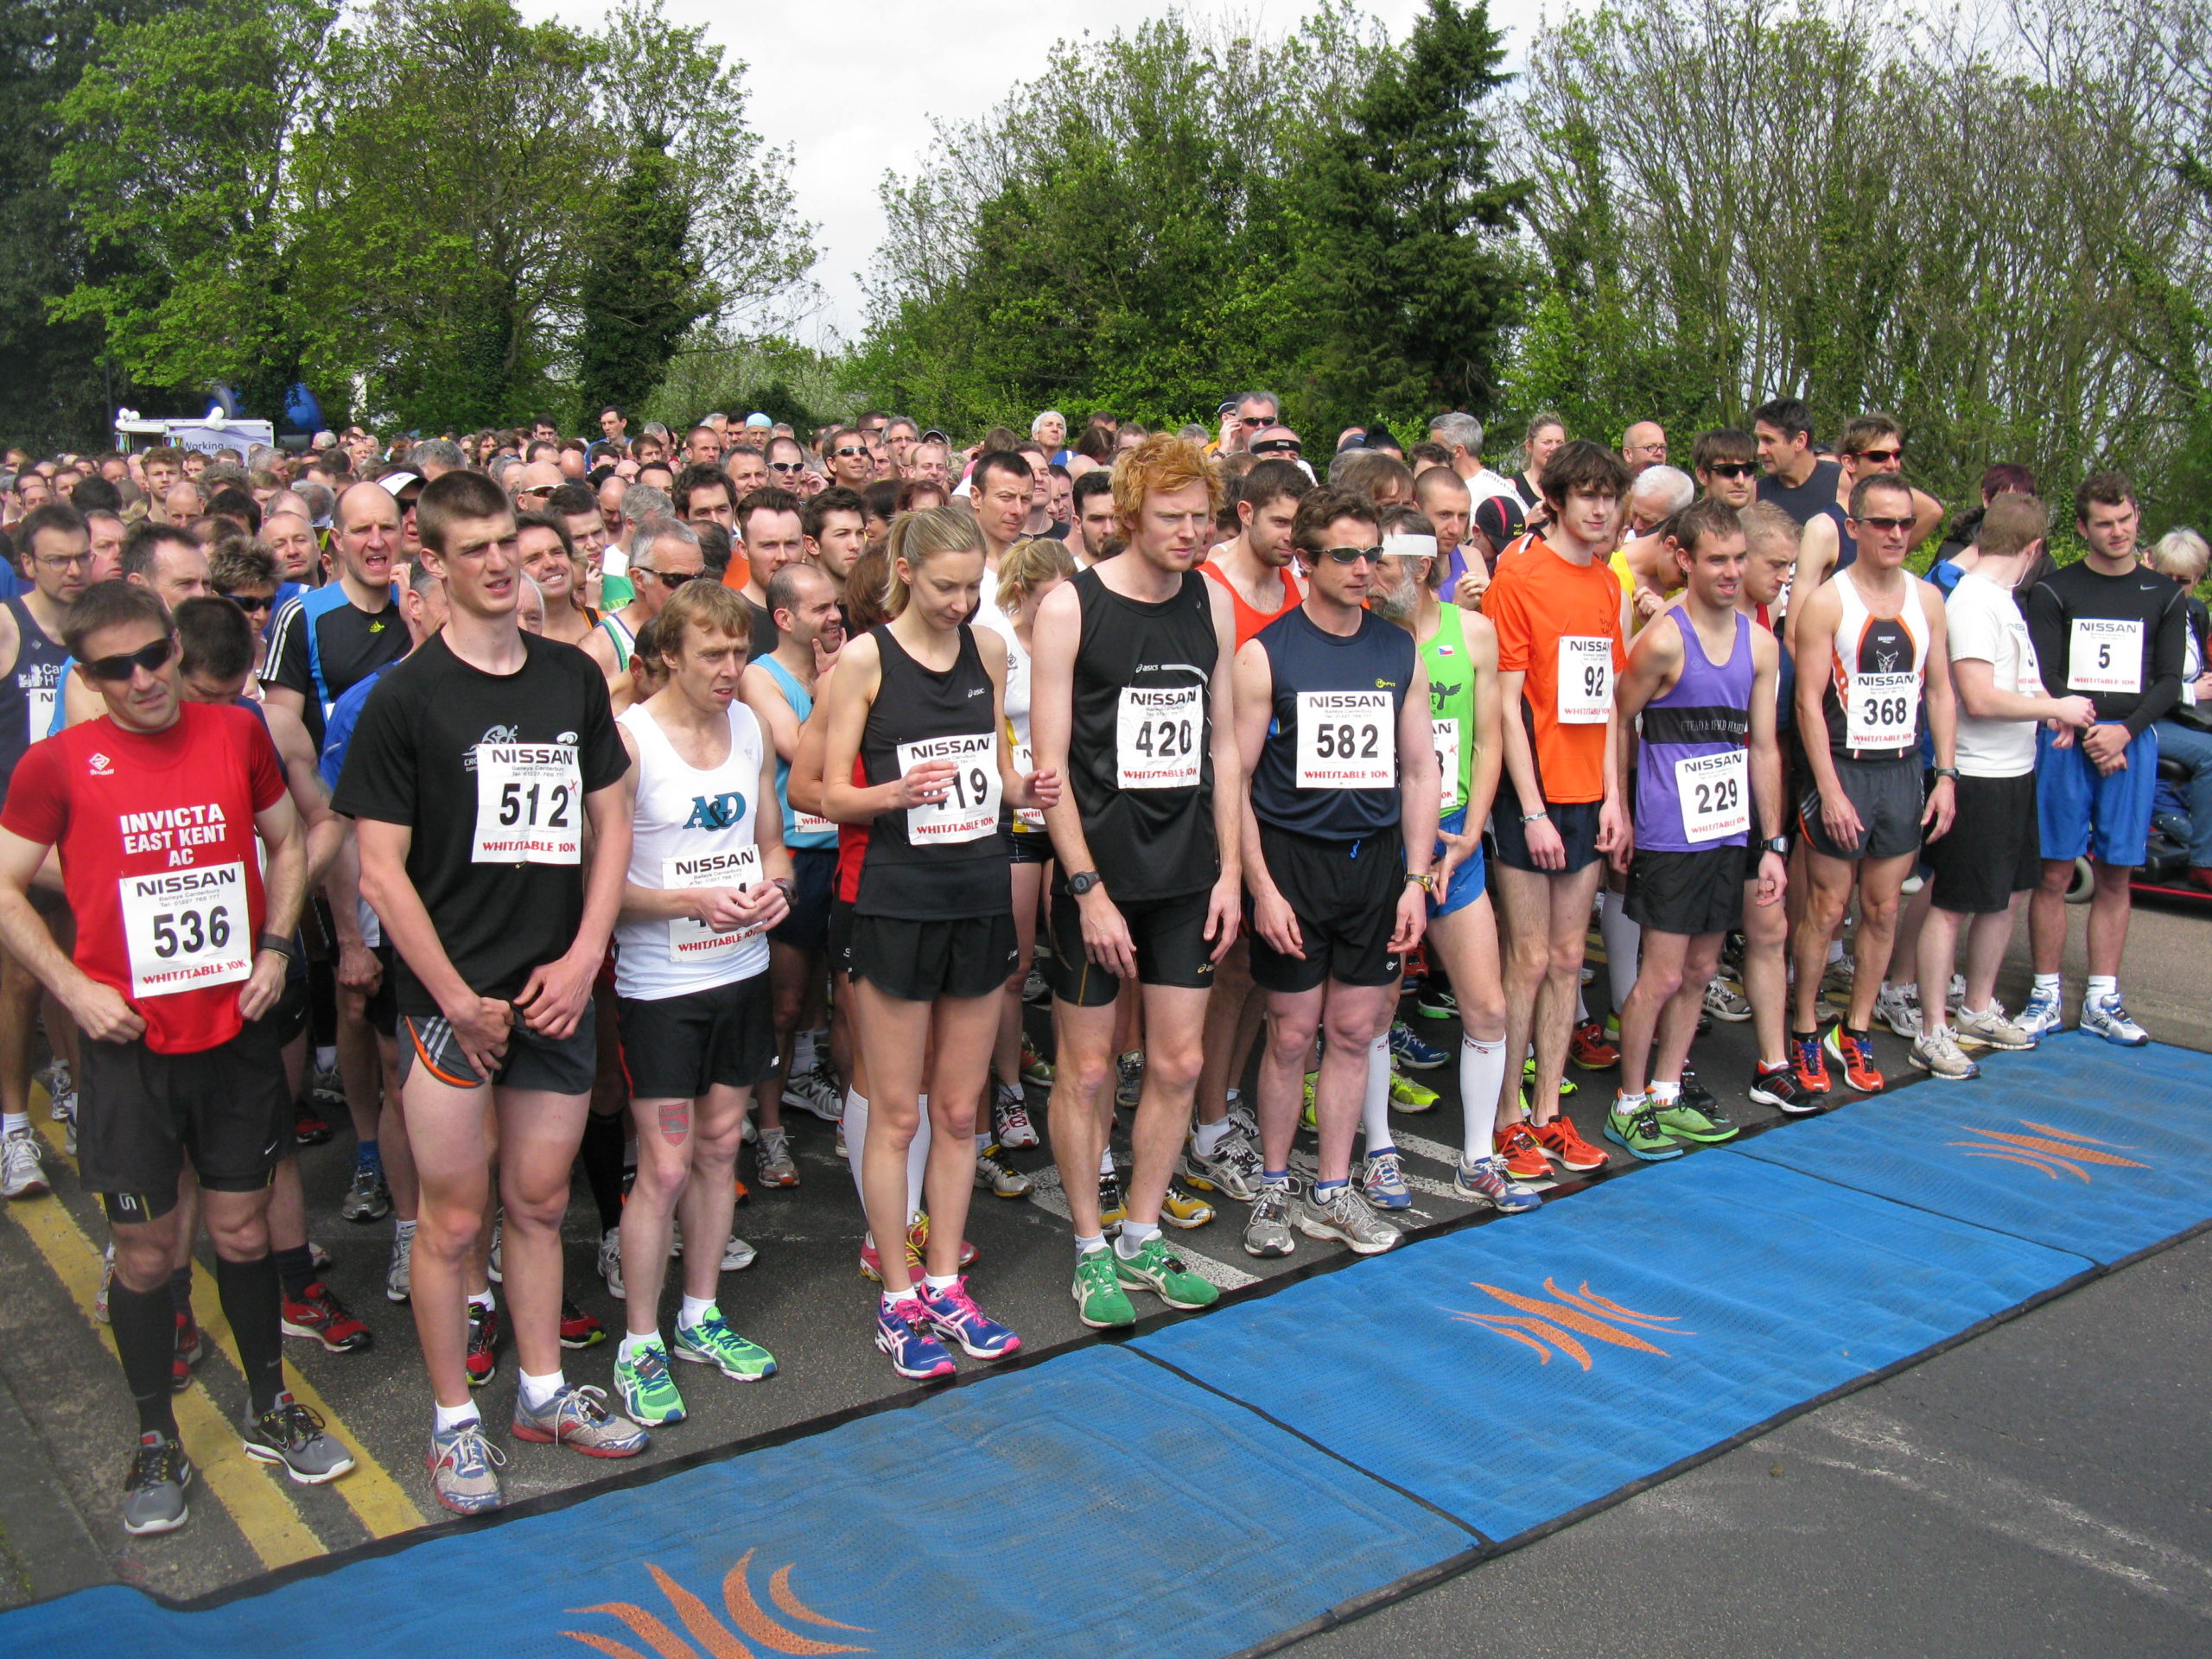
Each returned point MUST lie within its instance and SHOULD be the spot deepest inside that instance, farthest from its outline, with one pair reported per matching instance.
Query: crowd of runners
(553, 805)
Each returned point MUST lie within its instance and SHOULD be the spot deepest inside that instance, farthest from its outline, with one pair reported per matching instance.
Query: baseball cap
(756, 418)
(1226, 406)
(1500, 518)
(395, 482)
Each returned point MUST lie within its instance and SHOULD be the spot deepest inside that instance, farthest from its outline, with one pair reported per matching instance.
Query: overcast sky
(853, 87)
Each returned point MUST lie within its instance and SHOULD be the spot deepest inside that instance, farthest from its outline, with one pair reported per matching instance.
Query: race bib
(1586, 679)
(1025, 762)
(2105, 656)
(41, 699)
(528, 805)
(805, 824)
(186, 929)
(970, 810)
(1346, 740)
(1447, 759)
(1715, 795)
(1157, 735)
(1882, 712)
(688, 938)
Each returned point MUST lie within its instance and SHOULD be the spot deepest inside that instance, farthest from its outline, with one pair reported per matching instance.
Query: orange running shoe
(1564, 1142)
(1809, 1061)
(1856, 1056)
(1525, 1158)
(1588, 1049)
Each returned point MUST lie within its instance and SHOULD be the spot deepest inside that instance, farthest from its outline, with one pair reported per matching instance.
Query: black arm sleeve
(2047, 627)
(2169, 654)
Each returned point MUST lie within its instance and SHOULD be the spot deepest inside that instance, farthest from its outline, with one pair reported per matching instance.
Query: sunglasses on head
(1353, 555)
(1733, 468)
(126, 664)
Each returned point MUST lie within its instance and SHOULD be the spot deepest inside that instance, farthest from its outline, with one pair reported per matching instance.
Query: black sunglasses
(122, 667)
(1881, 457)
(1885, 524)
(1354, 554)
(251, 601)
(1733, 468)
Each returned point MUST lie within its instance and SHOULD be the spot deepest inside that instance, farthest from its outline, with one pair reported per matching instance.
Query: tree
(641, 292)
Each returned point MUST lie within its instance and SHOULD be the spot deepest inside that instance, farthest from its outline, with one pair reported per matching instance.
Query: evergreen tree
(641, 292)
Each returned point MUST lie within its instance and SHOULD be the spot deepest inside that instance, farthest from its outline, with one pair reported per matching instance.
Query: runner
(1000, 490)
(1333, 714)
(472, 771)
(921, 708)
(329, 638)
(708, 876)
(779, 688)
(769, 520)
(181, 954)
(2122, 634)
(663, 555)
(1703, 679)
(1096, 529)
(550, 559)
(1988, 864)
(1870, 646)
(1872, 445)
(834, 528)
(1558, 611)
(1132, 705)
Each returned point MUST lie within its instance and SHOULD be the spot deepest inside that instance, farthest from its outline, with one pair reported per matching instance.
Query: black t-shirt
(1804, 501)
(767, 635)
(2119, 641)
(489, 771)
(351, 644)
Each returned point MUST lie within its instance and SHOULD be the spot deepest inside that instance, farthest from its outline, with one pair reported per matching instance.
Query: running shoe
(952, 1313)
(1855, 1054)
(290, 1434)
(107, 1282)
(903, 1335)
(1267, 1229)
(578, 1328)
(1343, 1218)
(1309, 1119)
(649, 1394)
(1838, 978)
(495, 1267)
(1898, 1006)
(1567, 1084)
(1808, 1060)
(844, 1151)
(1240, 1114)
(1408, 1097)
(328, 1088)
(368, 1196)
(2040, 1015)
(1723, 1001)
(464, 1468)
(319, 1314)
(999, 1178)
(738, 1256)
(714, 1341)
(1159, 1270)
(191, 1348)
(1035, 1068)
(610, 1262)
(1410, 1053)
(1683, 1119)
(1035, 990)
(1183, 1208)
(153, 1493)
(1128, 1073)
(1435, 1000)
(1100, 1301)
(776, 1167)
(917, 1239)
(482, 1358)
(399, 1270)
(2107, 1018)
(1384, 1182)
(1937, 1052)
(1691, 1092)
(310, 1127)
(1632, 1125)
(1010, 1122)
(1780, 1089)
(1113, 1209)
(22, 1171)
(1484, 1180)
(318, 1258)
(1587, 1047)
(1563, 1143)
(815, 1090)
(66, 1110)
(1233, 1170)
(1991, 1029)
(577, 1416)
(1523, 1155)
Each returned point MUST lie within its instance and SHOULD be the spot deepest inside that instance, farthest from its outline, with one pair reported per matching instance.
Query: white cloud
(852, 88)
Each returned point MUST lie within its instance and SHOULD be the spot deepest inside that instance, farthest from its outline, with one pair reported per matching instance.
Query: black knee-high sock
(296, 1270)
(180, 1291)
(145, 1337)
(249, 1293)
(601, 1155)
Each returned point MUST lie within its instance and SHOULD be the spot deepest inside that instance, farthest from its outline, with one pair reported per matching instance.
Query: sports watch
(1082, 882)
(1779, 845)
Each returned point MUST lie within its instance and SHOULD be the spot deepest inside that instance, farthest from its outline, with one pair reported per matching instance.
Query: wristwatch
(277, 941)
(1425, 881)
(1951, 772)
(1082, 882)
(1779, 845)
(1530, 818)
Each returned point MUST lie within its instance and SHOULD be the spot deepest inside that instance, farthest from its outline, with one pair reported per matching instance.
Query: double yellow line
(257, 1497)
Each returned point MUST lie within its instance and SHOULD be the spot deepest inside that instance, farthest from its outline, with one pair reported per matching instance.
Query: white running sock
(452, 1417)
(482, 1299)
(15, 1123)
(1624, 945)
(1482, 1075)
(696, 1309)
(1133, 1237)
(632, 1345)
(1209, 1136)
(1106, 1160)
(2100, 986)
(1084, 1246)
(1374, 1105)
(803, 1053)
(326, 1056)
(537, 1390)
(946, 1282)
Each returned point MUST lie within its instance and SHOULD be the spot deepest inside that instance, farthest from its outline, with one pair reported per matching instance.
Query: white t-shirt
(1986, 626)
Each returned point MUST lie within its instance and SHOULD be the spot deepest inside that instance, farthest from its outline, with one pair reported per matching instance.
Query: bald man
(530, 485)
(1644, 444)
(183, 503)
(326, 640)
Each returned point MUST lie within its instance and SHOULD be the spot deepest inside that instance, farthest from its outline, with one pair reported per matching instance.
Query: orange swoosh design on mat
(719, 1641)
(745, 1613)
(1557, 1326)
(2051, 1151)
(780, 1592)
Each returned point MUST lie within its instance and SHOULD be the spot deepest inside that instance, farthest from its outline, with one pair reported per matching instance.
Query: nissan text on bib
(690, 939)
(528, 805)
(970, 810)
(2105, 655)
(1346, 740)
(1156, 737)
(1586, 679)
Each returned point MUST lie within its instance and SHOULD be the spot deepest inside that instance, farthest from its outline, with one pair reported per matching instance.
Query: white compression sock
(1482, 1077)
(918, 1159)
(856, 1137)
(1623, 941)
(1374, 1105)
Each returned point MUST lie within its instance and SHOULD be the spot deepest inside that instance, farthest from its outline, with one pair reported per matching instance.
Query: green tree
(641, 292)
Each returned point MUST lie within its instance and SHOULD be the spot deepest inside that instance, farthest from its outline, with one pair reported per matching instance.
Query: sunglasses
(848, 450)
(119, 668)
(1881, 457)
(800, 465)
(1885, 524)
(1257, 421)
(666, 578)
(1353, 555)
(1734, 469)
(1276, 447)
(251, 601)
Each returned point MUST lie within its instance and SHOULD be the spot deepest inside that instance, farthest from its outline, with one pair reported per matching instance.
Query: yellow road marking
(378, 1501)
(257, 1502)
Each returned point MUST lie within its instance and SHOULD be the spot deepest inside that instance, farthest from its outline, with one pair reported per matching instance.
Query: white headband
(1408, 547)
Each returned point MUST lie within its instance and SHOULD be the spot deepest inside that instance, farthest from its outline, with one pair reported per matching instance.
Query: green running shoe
(1156, 1268)
(1632, 1125)
(712, 1342)
(1684, 1122)
(1100, 1301)
(650, 1398)
(1567, 1084)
